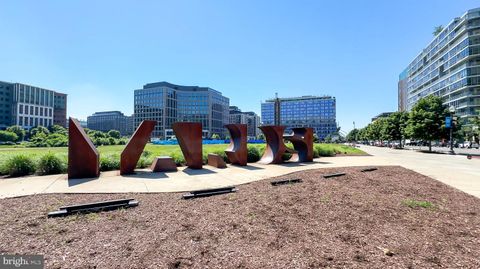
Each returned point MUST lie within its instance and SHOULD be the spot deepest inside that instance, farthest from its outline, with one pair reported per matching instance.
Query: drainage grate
(208, 192)
(93, 207)
(334, 175)
(287, 181)
(369, 169)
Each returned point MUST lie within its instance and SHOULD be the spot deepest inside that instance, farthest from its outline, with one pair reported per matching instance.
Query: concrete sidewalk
(183, 180)
(456, 171)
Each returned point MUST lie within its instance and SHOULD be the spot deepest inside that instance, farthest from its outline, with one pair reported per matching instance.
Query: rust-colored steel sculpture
(163, 164)
(302, 140)
(134, 148)
(189, 136)
(216, 160)
(275, 146)
(237, 150)
(83, 157)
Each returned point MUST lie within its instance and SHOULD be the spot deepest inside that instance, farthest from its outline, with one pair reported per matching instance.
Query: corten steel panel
(216, 160)
(134, 148)
(275, 147)
(302, 140)
(83, 157)
(163, 164)
(237, 150)
(189, 136)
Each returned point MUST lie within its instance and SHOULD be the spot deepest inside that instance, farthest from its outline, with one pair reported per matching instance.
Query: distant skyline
(99, 52)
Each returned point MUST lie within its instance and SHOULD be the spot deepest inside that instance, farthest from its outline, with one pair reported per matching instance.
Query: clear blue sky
(98, 52)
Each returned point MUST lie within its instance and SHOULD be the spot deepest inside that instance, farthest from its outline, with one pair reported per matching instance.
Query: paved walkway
(456, 171)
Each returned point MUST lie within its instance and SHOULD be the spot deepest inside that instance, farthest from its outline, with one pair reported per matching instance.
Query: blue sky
(98, 52)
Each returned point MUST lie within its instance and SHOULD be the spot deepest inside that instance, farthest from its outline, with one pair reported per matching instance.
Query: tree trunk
(430, 146)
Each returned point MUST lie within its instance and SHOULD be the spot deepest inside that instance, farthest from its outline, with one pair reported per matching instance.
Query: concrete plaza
(456, 171)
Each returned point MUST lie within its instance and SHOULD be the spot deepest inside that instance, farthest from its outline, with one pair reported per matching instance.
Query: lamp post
(452, 112)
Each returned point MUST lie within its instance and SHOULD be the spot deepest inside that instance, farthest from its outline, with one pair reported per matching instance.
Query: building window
(21, 109)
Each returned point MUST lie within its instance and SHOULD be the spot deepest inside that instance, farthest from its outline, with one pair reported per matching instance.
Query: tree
(7, 136)
(39, 129)
(352, 135)
(395, 126)
(427, 120)
(114, 134)
(18, 130)
(57, 129)
(215, 136)
(437, 30)
(315, 138)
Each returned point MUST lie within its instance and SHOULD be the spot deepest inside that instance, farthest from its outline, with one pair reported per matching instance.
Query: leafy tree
(215, 136)
(315, 138)
(7, 136)
(38, 140)
(437, 30)
(395, 126)
(18, 130)
(39, 129)
(427, 120)
(57, 129)
(114, 134)
(352, 135)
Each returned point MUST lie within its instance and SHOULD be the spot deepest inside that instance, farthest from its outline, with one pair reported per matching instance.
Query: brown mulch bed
(342, 222)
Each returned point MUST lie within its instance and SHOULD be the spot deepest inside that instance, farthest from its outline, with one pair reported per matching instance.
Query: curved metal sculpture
(275, 147)
(83, 157)
(302, 140)
(134, 148)
(237, 150)
(189, 136)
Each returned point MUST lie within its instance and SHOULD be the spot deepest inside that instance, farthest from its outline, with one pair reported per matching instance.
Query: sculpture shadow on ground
(195, 172)
(77, 181)
(247, 167)
(147, 175)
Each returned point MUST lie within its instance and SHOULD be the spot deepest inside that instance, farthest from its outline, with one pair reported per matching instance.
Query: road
(454, 170)
(446, 149)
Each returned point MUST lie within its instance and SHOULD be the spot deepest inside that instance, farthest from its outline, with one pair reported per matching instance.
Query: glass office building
(306, 111)
(110, 120)
(168, 103)
(448, 67)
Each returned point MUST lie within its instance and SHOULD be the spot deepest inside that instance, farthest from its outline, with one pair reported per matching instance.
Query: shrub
(19, 165)
(50, 164)
(143, 162)
(325, 151)
(6, 136)
(315, 153)
(178, 159)
(109, 162)
(253, 154)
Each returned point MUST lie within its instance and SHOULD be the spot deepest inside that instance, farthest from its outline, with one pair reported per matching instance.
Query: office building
(251, 119)
(28, 106)
(318, 112)
(168, 103)
(449, 67)
(402, 91)
(110, 120)
(60, 109)
(6, 93)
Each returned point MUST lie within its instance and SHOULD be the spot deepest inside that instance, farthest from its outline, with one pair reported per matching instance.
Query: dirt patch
(348, 221)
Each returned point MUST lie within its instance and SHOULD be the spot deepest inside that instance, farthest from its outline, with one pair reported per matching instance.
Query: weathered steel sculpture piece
(134, 148)
(302, 140)
(275, 147)
(189, 136)
(216, 160)
(237, 150)
(83, 157)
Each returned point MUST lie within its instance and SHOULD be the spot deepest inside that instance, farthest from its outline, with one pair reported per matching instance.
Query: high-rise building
(27, 106)
(168, 103)
(318, 112)
(60, 109)
(402, 91)
(6, 94)
(251, 119)
(110, 120)
(449, 67)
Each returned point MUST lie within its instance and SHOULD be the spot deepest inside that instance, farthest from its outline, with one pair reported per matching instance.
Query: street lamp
(452, 112)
